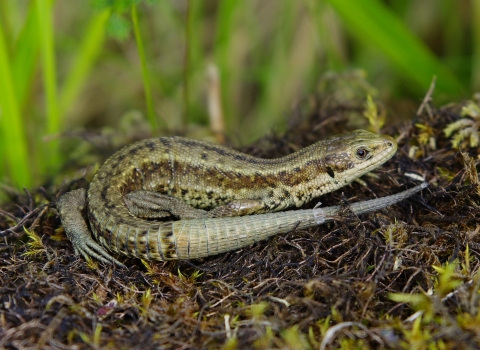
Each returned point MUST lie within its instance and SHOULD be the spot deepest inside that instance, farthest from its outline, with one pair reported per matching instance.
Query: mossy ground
(402, 277)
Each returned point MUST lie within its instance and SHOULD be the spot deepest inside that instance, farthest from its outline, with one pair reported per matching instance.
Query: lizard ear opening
(330, 172)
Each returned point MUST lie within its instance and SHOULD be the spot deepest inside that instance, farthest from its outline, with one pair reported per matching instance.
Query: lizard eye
(362, 153)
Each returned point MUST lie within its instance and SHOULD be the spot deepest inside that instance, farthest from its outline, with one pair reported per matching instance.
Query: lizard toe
(92, 249)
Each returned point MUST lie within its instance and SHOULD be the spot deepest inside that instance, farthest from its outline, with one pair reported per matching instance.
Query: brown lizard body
(213, 190)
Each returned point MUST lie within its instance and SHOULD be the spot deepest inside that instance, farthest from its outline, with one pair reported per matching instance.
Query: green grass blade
(272, 102)
(49, 75)
(187, 64)
(145, 76)
(13, 140)
(84, 58)
(289, 67)
(226, 26)
(476, 45)
(8, 12)
(371, 21)
(25, 57)
(194, 60)
(322, 16)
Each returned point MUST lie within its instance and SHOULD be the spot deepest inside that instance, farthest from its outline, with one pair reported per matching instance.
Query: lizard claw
(88, 248)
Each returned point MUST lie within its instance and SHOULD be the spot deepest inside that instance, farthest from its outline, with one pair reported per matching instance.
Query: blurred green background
(237, 67)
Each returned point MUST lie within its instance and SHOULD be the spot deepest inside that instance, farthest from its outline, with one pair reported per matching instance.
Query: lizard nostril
(389, 144)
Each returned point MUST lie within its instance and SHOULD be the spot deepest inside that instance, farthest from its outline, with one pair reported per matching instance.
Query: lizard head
(351, 155)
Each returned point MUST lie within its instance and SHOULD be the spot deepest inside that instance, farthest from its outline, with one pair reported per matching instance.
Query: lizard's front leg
(71, 207)
(239, 207)
(152, 205)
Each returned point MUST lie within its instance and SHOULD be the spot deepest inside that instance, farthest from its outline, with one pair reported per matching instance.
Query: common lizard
(224, 199)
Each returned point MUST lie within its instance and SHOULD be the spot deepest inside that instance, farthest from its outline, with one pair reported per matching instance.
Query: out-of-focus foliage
(466, 129)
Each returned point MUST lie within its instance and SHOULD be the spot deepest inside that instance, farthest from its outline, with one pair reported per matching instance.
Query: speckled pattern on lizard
(224, 199)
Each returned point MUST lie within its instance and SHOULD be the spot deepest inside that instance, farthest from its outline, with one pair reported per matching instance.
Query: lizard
(224, 199)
